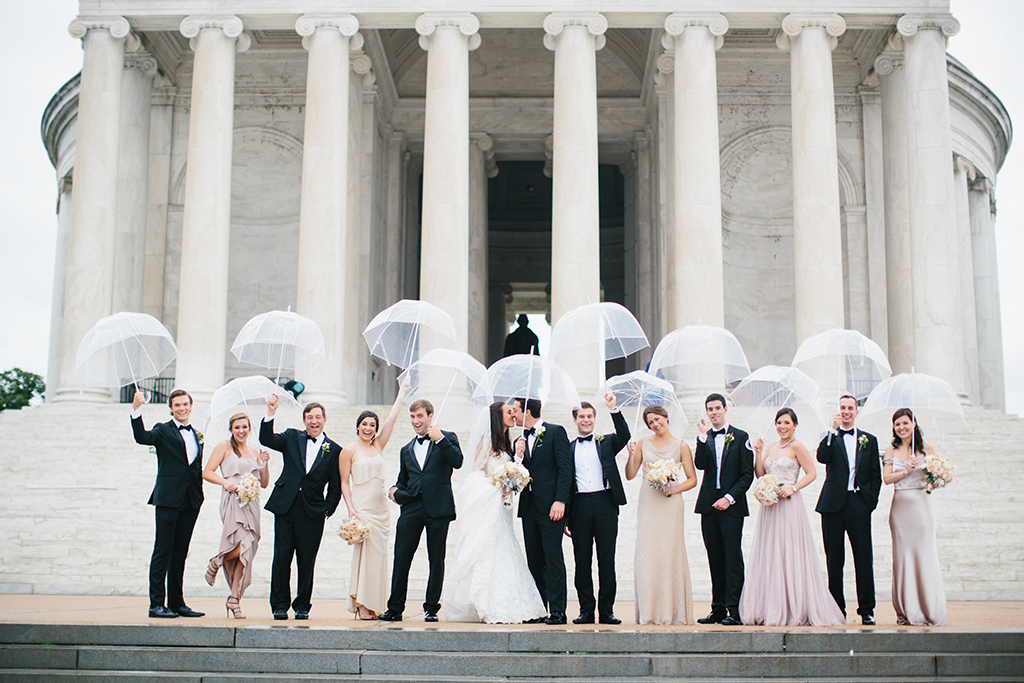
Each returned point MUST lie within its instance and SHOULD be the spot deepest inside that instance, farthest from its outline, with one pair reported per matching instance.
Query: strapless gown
(241, 524)
(368, 583)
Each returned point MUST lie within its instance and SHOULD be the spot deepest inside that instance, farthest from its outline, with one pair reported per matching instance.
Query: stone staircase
(32, 652)
(75, 519)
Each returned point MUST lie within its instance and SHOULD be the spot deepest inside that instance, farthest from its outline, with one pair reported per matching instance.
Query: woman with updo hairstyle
(661, 573)
(361, 466)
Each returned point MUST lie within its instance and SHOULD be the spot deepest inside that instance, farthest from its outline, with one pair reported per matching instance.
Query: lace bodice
(783, 468)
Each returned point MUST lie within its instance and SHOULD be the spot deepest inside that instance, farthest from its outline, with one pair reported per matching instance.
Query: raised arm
(267, 436)
(634, 460)
(759, 455)
(388, 427)
(139, 431)
(619, 421)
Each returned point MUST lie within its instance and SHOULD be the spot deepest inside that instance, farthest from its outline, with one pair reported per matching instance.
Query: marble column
(817, 234)
(899, 308)
(697, 220)
(662, 242)
(874, 204)
(206, 229)
(59, 274)
(161, 121)
(575, 219)
(89, 278)
(499, 295)
(986, 295)
(323, 214)
(133, 181)
(481, 167)
(444, 250)
(938, 340)
(964, 174)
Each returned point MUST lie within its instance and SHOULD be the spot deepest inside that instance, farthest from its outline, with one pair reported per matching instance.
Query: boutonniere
(863, 441)
(325, 449)
(600, 438)
(728, 439)
(199, 436)
(540, 434)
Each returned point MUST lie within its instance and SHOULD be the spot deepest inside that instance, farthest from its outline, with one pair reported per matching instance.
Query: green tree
(18, 387)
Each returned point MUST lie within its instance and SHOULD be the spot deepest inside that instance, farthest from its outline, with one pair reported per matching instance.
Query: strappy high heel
(232, 609)
(211, 570)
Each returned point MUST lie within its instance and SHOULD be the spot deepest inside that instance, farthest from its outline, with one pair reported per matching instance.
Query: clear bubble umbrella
(124, 348)
(760, 395)
(527, 376)
(403, 332)
(247, 395)
(936, 407)
(844, 362)
(636, 390)
(279, 340)
(589, 335)
(699, 356)
(454, 375)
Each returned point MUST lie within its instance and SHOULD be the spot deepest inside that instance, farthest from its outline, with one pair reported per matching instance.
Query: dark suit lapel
(858, 453)
(181, 440)
(413, 463)
(320, 454)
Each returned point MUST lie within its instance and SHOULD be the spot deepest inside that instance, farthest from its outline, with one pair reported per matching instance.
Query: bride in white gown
(489, 580)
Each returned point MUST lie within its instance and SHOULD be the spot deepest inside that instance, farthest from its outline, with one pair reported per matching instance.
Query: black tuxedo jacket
(294, 479)
(552, 470)
(832, 452)
(434, 481)
(178, 481)
(737, 472)
(607, 448)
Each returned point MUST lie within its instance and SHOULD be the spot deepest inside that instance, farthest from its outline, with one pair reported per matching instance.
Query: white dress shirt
(850, 442)
(313, 449)
(187, 435)
(589, 473)
(532, 438)
(419, 450)
(719, 453)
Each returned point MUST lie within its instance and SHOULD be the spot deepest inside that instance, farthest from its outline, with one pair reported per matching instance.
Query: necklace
(783, 445)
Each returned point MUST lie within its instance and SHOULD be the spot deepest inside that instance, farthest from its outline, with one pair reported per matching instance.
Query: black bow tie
(421, 439)
(844, 432)
(717, 432)
(185, 427)
(530, 431)
(311, 437)
(586, 438)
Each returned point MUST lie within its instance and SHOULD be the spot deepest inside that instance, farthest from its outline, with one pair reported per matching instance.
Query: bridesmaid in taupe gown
(241, 535)
(917, 592)
(362, 485)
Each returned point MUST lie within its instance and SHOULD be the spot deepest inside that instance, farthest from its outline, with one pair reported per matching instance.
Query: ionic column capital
(467, 23)
(557, 22)
(140, 61)
(910, 24)
(964, 166)
(887, 62)
(229, 24)
(716, 24)
(793, 24)
(117, 26)
(485, 143)
(307, 24)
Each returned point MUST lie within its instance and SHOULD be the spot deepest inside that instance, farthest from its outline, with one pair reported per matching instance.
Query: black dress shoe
(281, 615)
(302, 615)
(390, 615)
(186, 611)
(161, 612)
(429, 616)
(535, 620)
(867, 620)
(609, 619)
(555, 619)
(731, 620)
(584, 618)
(713, 618)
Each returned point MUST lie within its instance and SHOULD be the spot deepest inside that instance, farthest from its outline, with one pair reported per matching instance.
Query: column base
(84, 395)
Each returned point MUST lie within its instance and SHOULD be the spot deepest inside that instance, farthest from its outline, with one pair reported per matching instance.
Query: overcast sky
(43, 57)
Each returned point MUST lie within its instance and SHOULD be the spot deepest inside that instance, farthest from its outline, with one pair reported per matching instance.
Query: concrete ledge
(38, 657)
(871, 666)
(923, 640)
(543, 665)
(294, 661)
(156, 634)
(423, 640)
(976, 665)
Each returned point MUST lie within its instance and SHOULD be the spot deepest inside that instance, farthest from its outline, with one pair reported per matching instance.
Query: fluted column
(481, 167)
(963, 174)
(986, 295)
(161, 120)
(874, 204)
(133, 181)
(206, 230)
(575, 219)
(60, 266)
(938, 341)
(89, 277)
(323, 216)
(444, 260)
(697, 219)
(817, 234)
(899, 300)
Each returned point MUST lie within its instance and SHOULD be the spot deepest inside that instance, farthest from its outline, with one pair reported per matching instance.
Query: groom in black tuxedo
(548, 457)
(725, 455)
(597, 494)
(298, 503)
(177, 496)
(853, 478)
(424, 491)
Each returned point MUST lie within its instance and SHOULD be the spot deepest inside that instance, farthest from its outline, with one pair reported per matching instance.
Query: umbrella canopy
(123, 348)
(595, 333)
(407, 330)
(636, 390)
(527, 376)
(935, 404)
(246, 395)
(453, 375)
(699, 356)
(760, 395)
(843, 360)
(278, 339)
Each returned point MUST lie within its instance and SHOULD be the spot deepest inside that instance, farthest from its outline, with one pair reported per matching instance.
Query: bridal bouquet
(510, 477)
(353, 530)
(766, 490)
(248, 490)
(662, 474)
(939, 472)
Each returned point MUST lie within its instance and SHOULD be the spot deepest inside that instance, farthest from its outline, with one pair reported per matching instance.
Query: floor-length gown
(785, 585)
(241, 523)
(661, 573)
(488, 580)
(917, 591)
(368, 584)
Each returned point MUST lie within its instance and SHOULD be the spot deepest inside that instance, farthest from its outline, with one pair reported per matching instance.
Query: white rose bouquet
(248, 490)
(767, 489)
(353, 530)
(662, 475)
(510, 477)
(939, 472)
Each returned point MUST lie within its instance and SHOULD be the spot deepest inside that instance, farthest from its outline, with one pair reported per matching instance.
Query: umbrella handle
(128, 360)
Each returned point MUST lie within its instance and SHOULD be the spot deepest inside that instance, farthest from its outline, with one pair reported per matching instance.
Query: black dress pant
(543, 540)
(723, 534)
(411, 523)
(853, 520)
(170, 548)
(297, 535)
(595, 522)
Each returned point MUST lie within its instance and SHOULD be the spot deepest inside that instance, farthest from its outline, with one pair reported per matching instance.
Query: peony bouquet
(939, 472)
(248, 490)
(767, 489)
(662, 475)
(510, 477)
(353, 530)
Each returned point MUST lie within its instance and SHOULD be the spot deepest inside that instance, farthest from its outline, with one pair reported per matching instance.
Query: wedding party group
(557, 486)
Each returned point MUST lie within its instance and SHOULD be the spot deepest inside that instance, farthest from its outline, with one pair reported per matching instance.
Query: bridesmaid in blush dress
(786, 586)
(241, 535)
(361, 466)
(661, 573)
(917, 591)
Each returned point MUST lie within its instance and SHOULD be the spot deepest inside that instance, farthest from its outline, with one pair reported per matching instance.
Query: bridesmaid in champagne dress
(361, 466)
(786, 586)
(917, 591)
(241, 535)
(661, 573)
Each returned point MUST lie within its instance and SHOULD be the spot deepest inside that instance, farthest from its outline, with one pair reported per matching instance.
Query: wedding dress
(489, 580)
